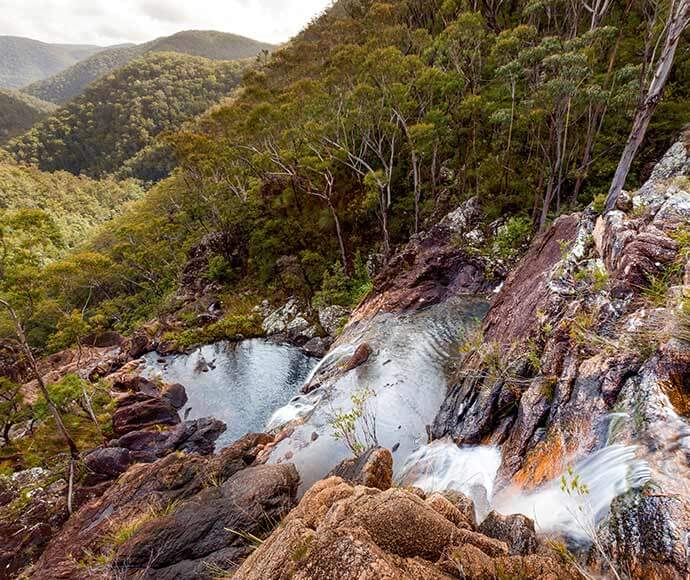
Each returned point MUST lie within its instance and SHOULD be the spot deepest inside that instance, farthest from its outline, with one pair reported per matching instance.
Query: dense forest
(123, 113)
(72, 82)
(19, 112)
(26, 61)
(378, 118)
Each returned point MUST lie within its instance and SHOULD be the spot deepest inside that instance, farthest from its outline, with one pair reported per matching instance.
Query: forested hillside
(20, 112)
(72, 81)
(122, 114)
(373, 122)
(24, 61)
(74, 204)
(209, 44)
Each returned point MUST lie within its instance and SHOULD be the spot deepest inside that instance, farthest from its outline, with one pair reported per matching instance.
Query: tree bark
(678, 21)
(74, 452)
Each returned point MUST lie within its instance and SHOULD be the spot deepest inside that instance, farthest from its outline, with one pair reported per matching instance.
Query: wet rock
(109, 462)
(332, 318)
(239, 455)
(432, 267)
(513, 315)
(134, 383)
(360, 356)
(647, 534)
(176, 395)
(198, 436)
(140, 412)
(515, 530)
(373, 468)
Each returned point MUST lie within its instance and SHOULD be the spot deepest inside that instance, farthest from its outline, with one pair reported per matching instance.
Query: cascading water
(601, 477)
(405, 376)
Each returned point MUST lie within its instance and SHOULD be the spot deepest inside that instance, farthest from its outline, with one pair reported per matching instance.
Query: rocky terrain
(585, 346)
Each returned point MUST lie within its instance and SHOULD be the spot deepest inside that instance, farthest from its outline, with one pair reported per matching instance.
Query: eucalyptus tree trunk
(19, 330)
(677, 23)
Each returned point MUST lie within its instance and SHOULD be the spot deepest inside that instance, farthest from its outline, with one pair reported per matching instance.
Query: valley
(407, 296)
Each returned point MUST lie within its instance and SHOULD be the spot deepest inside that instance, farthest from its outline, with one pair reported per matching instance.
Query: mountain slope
(77, 204)
(20, 112)
(24, 61)
(208, 44)
(123, 113)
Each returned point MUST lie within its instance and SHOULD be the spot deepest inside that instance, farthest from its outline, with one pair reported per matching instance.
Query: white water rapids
(406, 372)
(607, 473)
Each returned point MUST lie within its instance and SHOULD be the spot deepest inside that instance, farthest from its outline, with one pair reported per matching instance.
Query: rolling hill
(122, 113)
(20, 112)
(71, 82)
(77, 204)
(24, 61)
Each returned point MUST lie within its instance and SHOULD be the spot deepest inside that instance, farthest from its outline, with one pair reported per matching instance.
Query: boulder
(211, 528)
(135, 414)
(197, 436)
(517, 531)
(464, 504)
(449, 510)
(176, 395)
(360, 356)
(277, 321)
(109, 462)
(332, 318)
(145, 501)
(341, 531)
(374, 468)
(316, 347)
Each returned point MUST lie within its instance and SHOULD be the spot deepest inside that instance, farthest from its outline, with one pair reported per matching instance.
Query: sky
(107, 22)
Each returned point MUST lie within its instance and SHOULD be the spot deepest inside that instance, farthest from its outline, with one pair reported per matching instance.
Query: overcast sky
(106, 22)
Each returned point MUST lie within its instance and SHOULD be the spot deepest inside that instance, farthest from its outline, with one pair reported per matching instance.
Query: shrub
(512, 238)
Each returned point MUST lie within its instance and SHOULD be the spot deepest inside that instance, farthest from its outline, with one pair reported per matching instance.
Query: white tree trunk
(678, 22)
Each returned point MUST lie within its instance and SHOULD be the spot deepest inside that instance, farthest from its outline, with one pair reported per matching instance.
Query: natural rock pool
(241, 384)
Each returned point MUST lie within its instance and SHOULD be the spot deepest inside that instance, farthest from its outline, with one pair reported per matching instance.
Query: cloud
(106, 22)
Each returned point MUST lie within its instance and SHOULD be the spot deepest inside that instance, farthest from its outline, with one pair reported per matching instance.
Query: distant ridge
(24, 60)
(122, 113)
(213, 45)
(20, 112)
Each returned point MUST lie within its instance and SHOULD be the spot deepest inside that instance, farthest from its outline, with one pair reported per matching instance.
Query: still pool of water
(241, 384)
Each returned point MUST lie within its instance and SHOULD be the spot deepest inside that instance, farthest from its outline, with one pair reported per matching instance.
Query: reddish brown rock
(517, 531)
(141, 412)
(373, 468)
(360, 356)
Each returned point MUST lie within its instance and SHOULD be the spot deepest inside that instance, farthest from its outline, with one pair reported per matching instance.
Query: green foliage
(337, 288)
(19, 112)
(370, 124)
(356, 427)
(76, 204)
(63, 393)
(72, 82)
(122, 113)
(232, 327)
(512, 238)
(219, 270)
